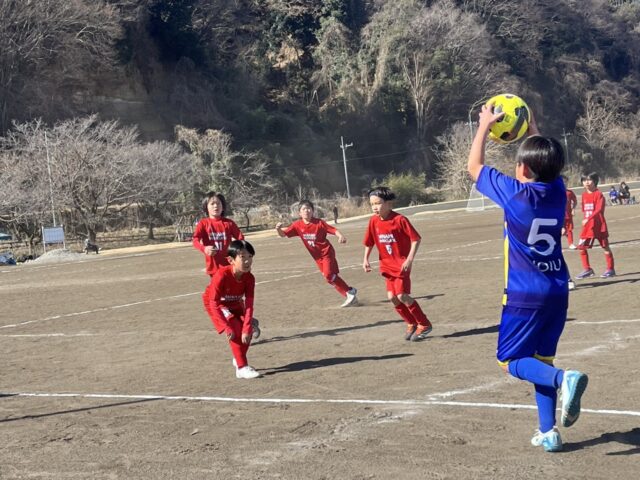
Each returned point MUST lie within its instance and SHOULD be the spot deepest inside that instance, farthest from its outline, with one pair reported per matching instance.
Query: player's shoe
(586, 274)
(572, 247)
(572, 286)
(351, 300)
(247, 372)
(411, 328)
(421, 332)
(255, 326)
(608, 274)
(550, 441)
(573, 386)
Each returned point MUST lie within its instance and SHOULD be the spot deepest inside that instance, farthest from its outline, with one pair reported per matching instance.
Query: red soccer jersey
(232, 296)
(593, 208)
(572, 201)
(393, 237)
(314, 236)
(217, 232)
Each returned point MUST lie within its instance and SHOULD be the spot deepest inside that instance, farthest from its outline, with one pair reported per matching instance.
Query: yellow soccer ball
(515, 122)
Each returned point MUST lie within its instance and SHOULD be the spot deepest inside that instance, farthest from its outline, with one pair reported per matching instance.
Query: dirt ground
(111, 369)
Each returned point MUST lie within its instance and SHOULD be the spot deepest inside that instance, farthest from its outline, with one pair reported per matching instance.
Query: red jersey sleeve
(291, 230)
(235, 231)
(369, 236)
(329, 228)
(409, 229)
(198, 236)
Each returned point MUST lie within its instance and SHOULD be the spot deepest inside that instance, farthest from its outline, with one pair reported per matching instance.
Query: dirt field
(111, 369)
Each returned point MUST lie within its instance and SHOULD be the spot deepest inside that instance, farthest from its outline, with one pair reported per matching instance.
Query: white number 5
(535, 236)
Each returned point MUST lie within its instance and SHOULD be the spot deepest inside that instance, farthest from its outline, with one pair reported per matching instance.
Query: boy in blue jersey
(536, 286)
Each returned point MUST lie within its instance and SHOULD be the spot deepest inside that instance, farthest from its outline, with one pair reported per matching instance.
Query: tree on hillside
(241, 176)
(163, 178)
(49, 49)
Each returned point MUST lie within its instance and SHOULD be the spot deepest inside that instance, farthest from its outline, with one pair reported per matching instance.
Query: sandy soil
(111, 369)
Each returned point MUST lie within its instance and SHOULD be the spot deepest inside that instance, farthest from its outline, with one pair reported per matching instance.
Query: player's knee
(393, 298)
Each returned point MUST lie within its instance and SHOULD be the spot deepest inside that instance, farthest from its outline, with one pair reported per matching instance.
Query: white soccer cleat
(351, 300)
(247, 372)
(572, 247)
(572, 286)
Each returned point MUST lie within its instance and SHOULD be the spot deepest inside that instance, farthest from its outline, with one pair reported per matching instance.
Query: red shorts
(586, 243)
(328, 266)
(398, 285)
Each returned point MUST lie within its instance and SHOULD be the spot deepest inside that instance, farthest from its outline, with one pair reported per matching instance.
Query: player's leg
(239, 350)
(330, 271)
(401, 308)
(608, 256)
(584, 245)
(519, 335)
(569, 231)
(206, 301)
(403, 286)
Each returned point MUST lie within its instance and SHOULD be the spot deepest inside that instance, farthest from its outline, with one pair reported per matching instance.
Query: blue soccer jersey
(536, 274)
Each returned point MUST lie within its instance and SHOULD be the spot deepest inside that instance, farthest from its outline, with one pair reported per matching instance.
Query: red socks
(418, 314)
(584, 257)
(340, 285)
(412, 314)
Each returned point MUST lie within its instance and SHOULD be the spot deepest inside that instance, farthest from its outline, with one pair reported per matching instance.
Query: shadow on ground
(328, 362)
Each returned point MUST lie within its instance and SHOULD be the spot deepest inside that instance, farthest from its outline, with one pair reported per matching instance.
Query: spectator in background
(613, 196)
(623, 194)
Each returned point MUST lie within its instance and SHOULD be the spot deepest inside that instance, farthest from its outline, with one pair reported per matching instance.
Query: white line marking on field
(354, 401)
(53, 335)
(604, 322)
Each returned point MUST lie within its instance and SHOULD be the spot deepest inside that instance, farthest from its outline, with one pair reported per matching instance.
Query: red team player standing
(397, 242)
(594, 227)
(567, 228)
(313, 233)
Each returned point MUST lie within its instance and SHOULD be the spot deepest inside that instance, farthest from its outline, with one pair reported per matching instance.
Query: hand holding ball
(515, 121)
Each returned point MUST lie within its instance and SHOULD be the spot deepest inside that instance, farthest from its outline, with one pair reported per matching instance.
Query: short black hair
(382, 192)
(593, 176)
(208, 196)
(307, 203)
(543, 155)
(237, 246)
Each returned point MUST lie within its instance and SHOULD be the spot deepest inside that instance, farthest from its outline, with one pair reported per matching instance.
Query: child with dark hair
(594, 227)
(313, 233)
(232, 293)
(397, 242)
(536, 294)
(212, 237)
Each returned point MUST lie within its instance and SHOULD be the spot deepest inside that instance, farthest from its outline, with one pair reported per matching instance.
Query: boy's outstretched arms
(476, 155)
(279, 229)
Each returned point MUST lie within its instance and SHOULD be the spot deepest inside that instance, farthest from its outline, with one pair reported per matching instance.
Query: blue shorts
(530, 332)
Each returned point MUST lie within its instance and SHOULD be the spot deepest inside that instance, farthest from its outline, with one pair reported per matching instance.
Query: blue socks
(547, 380)
(536, 371)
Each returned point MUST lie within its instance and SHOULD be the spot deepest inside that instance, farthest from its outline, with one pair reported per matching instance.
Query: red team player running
(232, 292)
(594, 227)
(313, 233)
(397, 243)
(212, 237)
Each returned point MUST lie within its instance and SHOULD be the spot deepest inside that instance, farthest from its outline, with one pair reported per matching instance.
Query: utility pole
(53, 207)
(566, 145)
(344, 161)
